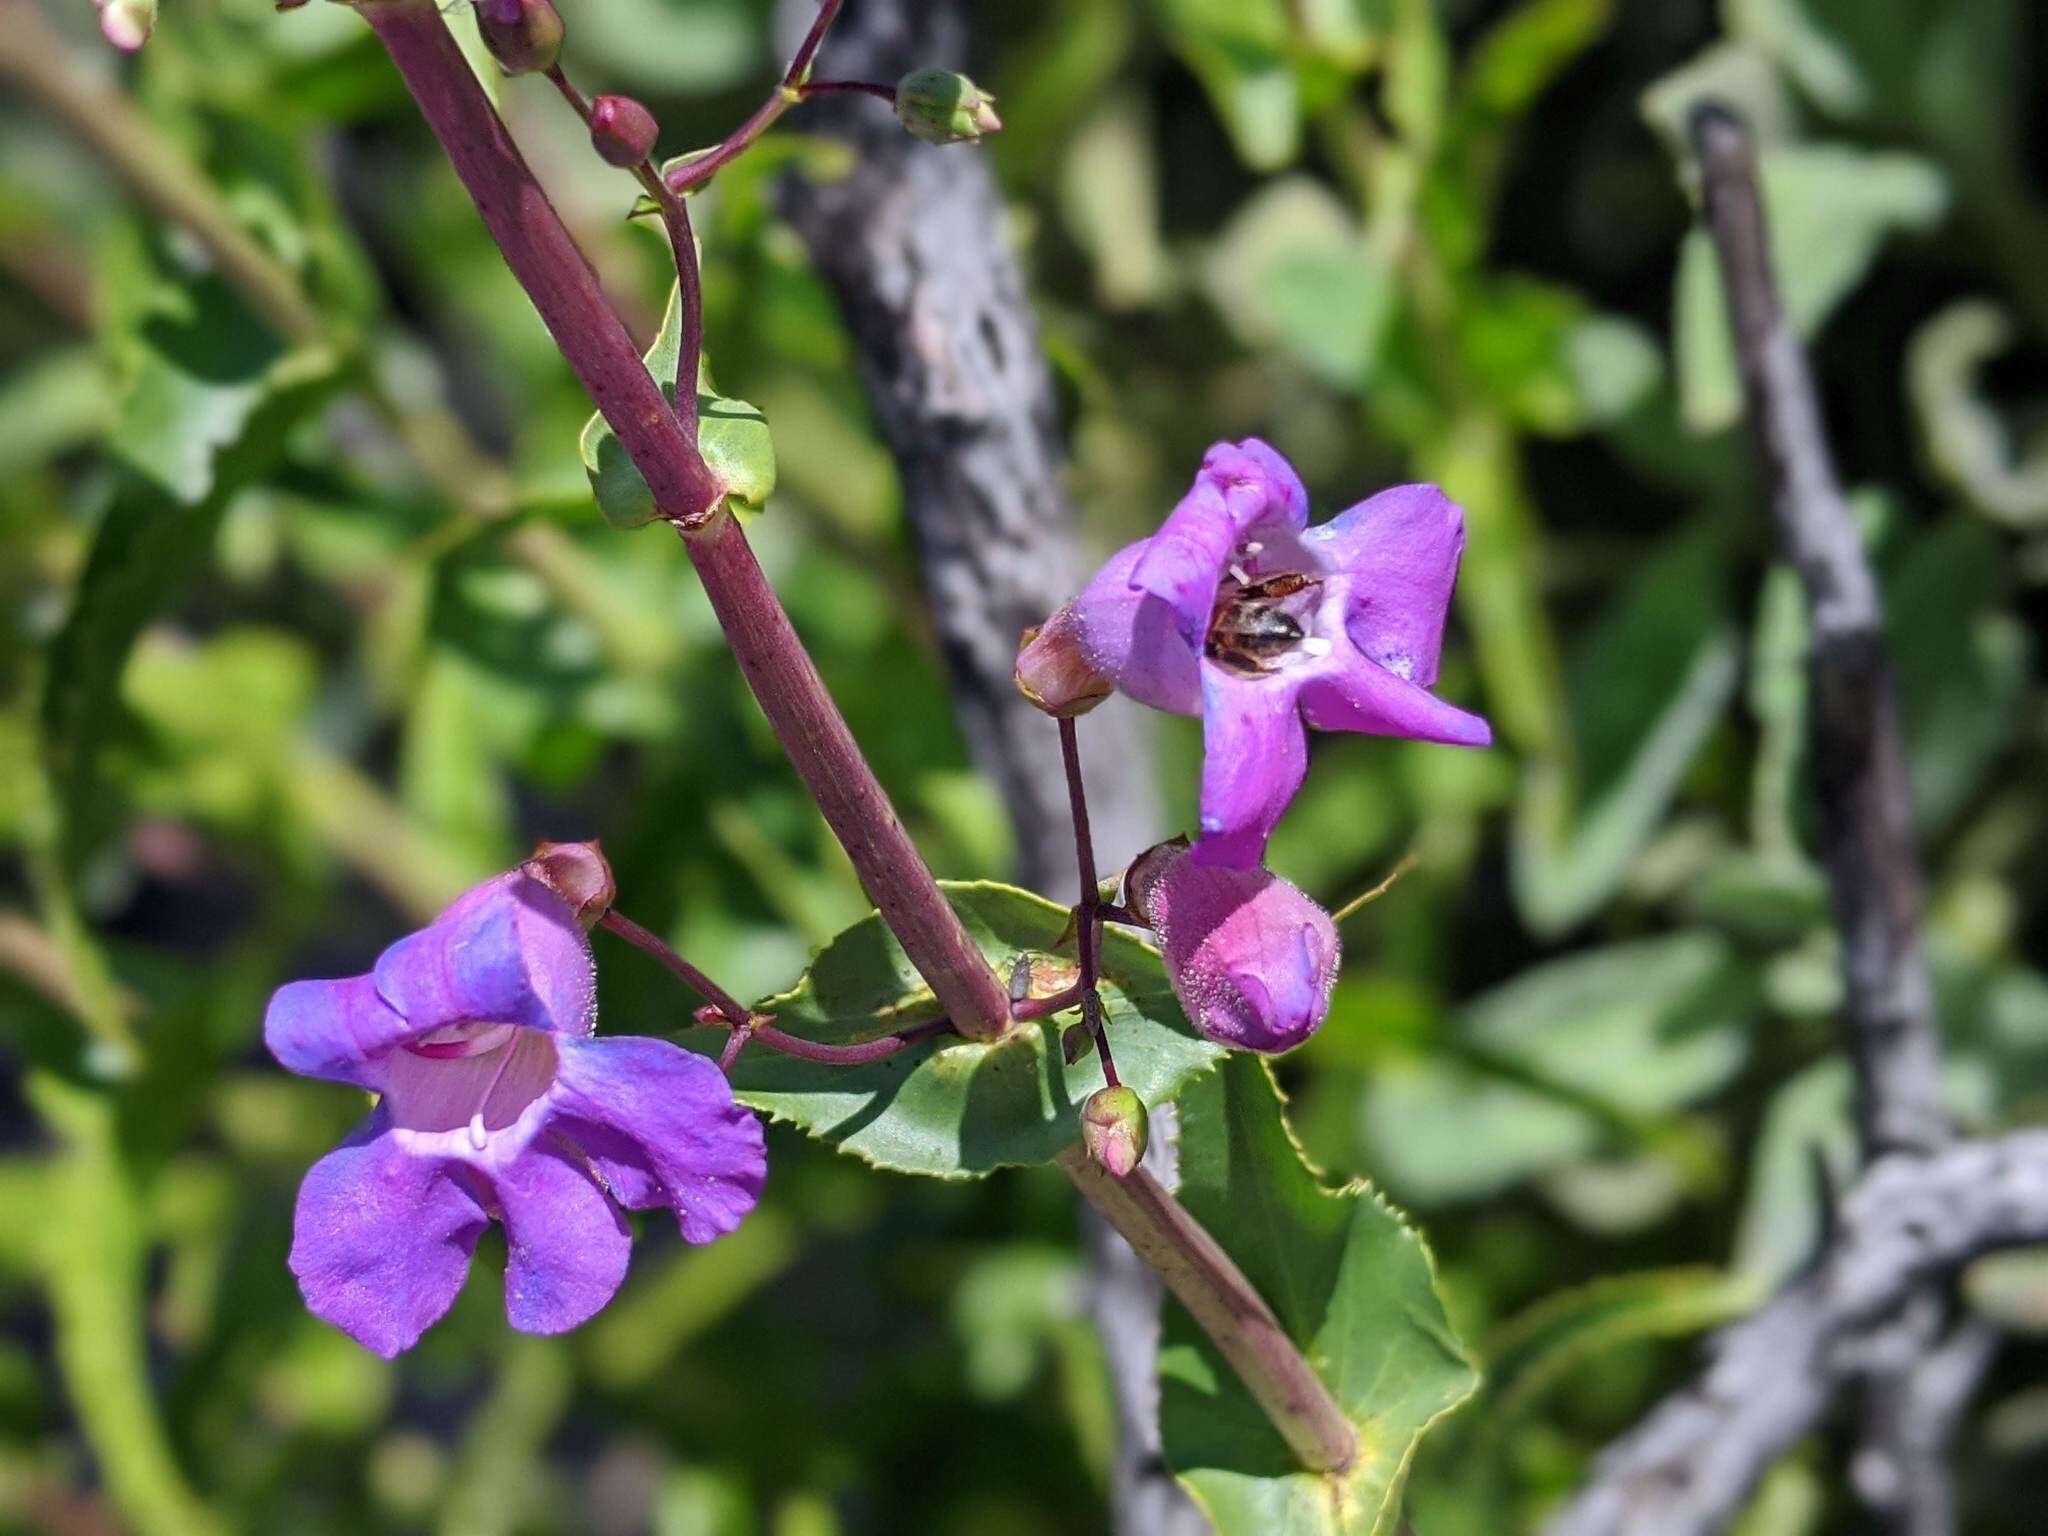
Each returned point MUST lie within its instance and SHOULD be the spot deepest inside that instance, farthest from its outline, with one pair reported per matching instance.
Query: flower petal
(1253, 461)
(1359, 696)
(1239, 488)
(381, 1239)
(660, 1126)
(1251, 958)
(509, 951)
(1400, 550)
(1134, 638)
(566, 1245)
(1254, 757)
(338, 1030)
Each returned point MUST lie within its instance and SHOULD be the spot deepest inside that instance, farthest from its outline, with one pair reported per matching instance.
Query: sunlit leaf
(1352, 1284)
(1567, 1055)
(1561, 1333)
(1967, 438)
(956, 1108)
(731, 434)
(1238, 49)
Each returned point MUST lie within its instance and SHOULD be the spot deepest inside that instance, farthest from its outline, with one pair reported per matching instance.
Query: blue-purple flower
(1237, 611)
(496, 1103)
(1252, 959)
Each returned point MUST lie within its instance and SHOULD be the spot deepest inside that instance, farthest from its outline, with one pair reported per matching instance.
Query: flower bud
(127, 23)
(1076, 1041)
(1054, 673)
(524, 36)
(942, 107)
(622, 130)
(579, 874)
(1251, 958)
(1113, 1128)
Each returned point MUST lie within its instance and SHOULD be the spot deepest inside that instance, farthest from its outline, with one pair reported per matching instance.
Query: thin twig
(1026, 1009)
(1366, 898)
(35, 58)
(1088, 914)
(735, 1013)
(675, 219)
(812, 88)
(1859, 763)
(790, 90)
(1889, 1027)
(1690, 1466)
(746, 1025)
(1901, 1471)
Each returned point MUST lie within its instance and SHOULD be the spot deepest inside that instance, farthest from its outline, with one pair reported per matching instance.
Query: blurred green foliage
(307, 631)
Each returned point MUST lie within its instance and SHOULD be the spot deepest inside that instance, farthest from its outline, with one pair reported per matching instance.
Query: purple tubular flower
(1237, 611)
(1251, 958)
(497, 1103)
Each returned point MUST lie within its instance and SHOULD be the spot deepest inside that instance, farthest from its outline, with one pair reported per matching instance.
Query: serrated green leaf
(1354, 1286)
(958, 1108)
(731, 434)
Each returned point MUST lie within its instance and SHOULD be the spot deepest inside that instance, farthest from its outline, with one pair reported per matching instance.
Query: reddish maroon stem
(813, 731)
(542, 255)
(1026, 1009)
(564, 289)
(739, 1016)
(812, 88)
(745, 1023)
(675, 218)
(807, 50)
(846, 1055)
(878, 1049)
(790, 90)
(1090, 914)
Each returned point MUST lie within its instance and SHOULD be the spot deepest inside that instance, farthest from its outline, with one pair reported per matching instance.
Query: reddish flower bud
(1113, 1128)
(579, 874)
(1251, 958)
(622, 130)
(1054, 673)
(524, 36)
(127, 23)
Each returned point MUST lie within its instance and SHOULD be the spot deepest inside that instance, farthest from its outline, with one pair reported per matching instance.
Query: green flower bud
(524, 36)
(622, 130)
(942, 107)
(1113, 1128)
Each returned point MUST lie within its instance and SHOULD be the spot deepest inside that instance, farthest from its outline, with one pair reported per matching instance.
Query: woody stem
(559, 281)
